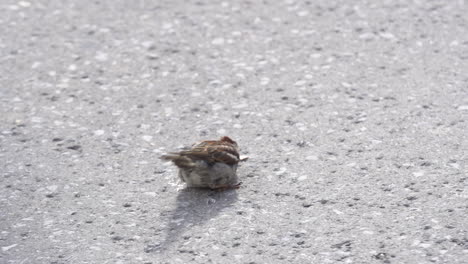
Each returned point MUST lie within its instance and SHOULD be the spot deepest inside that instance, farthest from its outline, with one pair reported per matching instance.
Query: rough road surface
(353, 114)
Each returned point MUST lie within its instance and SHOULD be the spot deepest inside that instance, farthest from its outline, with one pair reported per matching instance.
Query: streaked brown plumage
(209, 164)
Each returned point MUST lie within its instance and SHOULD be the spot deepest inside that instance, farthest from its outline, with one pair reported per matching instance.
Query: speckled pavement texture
(353, 114)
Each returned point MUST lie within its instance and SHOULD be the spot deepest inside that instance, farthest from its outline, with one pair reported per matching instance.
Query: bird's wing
(214, 151)
(225, 154)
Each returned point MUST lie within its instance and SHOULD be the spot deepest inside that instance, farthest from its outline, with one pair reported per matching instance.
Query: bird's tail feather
(179, 160)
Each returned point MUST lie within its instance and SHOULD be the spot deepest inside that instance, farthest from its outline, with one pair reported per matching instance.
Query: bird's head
(228, 140)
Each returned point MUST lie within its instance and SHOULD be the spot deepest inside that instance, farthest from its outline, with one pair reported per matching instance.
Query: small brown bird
(208, 164)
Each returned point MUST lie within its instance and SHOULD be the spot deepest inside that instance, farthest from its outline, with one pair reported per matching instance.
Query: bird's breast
(209, 175)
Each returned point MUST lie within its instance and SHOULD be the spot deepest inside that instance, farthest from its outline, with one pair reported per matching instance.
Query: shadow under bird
(208, 164)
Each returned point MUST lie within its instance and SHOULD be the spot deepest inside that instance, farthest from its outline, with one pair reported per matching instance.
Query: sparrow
(208, 164)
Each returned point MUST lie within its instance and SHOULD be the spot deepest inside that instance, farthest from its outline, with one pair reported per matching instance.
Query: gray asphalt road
(353, 114)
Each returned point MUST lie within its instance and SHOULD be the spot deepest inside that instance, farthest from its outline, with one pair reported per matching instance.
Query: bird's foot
(221, 188)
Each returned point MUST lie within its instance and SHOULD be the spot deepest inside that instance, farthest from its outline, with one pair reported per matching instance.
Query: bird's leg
(237, 185)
